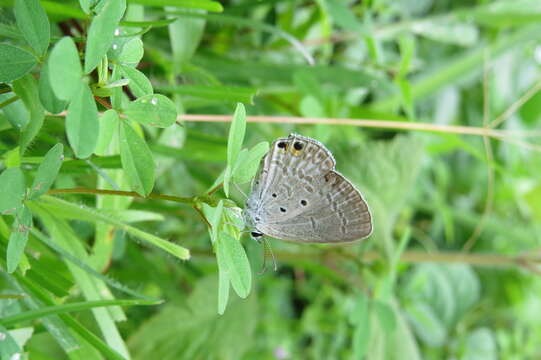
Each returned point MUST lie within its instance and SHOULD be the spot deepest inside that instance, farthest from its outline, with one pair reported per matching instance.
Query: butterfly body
(298, 196)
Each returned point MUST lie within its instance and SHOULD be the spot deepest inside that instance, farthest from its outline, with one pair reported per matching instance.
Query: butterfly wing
(299, 197)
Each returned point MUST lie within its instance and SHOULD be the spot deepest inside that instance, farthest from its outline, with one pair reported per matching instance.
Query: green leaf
(14, 62)
(234, 143)
(33, 22)
(82, 125)
(192, 4)
(236, 134)
(27, 89)
(47, 171)
(132, 52)
(47, 96)
(65, 72)
(102, 31)
(154, 110)
(137, 160)
(223, 282)
(108, 127)
(12, 190)
(237, 264)
(18, 238)
(139, 83)
(248, 162)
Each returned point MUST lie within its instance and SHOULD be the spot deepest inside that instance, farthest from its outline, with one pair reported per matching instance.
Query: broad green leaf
(209, 5)
(14, 62)
(237, 264)
(102, 31)
(236, 134)
(65, 72)
(47, 171)
(248, 162)
(234, 143)
(18, 238)
(139, 83)
(132, 53)
(137, 160)
(82, 125)
(27, 89)
(33, 22)
(12, 190)
(154, 110)
(223, 282)
(108, 127)
(47, 96)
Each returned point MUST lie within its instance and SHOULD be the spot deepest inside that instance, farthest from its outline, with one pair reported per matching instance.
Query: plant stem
(186, 200)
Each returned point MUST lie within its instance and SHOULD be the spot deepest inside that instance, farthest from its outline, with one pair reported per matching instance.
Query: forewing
(337, 213)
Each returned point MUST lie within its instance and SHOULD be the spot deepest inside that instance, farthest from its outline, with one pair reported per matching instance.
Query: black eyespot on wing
(256, 234)
(298, 145)
(274, 195)
(304, 202)
(257, 218)
(282, 145)
(283, 210)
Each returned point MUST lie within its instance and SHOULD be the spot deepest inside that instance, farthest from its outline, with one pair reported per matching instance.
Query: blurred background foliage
(451, 270)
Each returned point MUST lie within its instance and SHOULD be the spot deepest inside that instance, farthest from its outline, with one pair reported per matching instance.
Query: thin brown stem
(216, 188)
(185, 200)
(369, 123)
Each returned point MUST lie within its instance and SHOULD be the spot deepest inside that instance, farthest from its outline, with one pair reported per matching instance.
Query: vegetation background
(117, 235)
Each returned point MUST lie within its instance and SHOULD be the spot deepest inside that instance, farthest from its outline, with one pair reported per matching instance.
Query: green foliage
(14, 62)
(136, 160)
(33, 23)
(133, 94)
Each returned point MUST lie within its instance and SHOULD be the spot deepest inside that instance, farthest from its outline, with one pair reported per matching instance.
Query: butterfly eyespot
(257, 218)
(256, 234)
(298, 146)
(282, 145)
(283, 210)
(274, 195)
(304, 203)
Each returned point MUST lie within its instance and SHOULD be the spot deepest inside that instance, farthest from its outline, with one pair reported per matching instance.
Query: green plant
(121, 190)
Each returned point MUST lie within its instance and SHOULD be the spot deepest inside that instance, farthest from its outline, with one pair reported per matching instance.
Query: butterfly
(298, 196)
